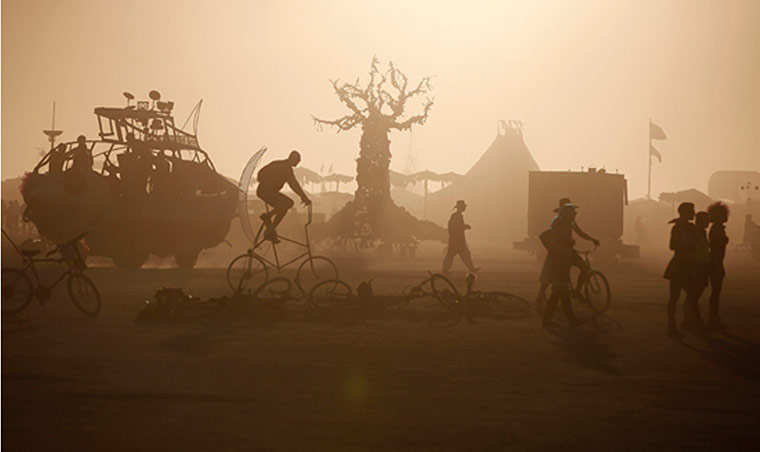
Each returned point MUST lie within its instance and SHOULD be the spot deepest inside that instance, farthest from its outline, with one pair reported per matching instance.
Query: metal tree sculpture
(379, 107)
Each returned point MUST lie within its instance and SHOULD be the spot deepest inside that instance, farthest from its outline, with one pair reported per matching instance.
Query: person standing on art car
(56, 159)
(81, 155)
(457, 242)
(681, 270)
(718, 241)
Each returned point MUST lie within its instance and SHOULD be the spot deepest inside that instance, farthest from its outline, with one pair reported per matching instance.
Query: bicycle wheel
(444, 291)
(274, 291)
(246, 273)
(17, 291)
(330, 293)
(597, 292)
(84, 294)
(313, 270)
(504, 305)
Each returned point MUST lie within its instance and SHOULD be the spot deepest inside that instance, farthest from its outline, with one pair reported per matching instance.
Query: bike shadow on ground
(738, 355)
(585, 345)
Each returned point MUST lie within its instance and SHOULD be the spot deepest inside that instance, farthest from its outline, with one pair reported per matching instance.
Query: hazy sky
(584, 77)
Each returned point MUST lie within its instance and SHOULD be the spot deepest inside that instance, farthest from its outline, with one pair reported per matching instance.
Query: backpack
(547, 239)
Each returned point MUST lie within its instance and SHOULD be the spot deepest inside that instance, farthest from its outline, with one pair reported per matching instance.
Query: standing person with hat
(457, 242)
(577, 261)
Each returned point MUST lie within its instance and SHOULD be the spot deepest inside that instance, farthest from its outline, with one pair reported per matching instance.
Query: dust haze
(585, 77)
(405, 225)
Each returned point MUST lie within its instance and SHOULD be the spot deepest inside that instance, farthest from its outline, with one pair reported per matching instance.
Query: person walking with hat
(556, 271)
(577, 260)
(457, 242)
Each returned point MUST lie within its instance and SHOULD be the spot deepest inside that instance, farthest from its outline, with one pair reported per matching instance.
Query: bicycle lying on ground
(440, 288)
(498, 304)
(495, 303)
(18, 288)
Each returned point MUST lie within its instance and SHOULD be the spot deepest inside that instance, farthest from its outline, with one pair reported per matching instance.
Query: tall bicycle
(247, 272)
(18, 288)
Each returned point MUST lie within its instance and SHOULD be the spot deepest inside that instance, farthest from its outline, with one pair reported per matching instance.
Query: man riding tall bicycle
(272, 177)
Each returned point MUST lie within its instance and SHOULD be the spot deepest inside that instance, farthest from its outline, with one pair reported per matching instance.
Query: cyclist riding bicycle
(272, 177)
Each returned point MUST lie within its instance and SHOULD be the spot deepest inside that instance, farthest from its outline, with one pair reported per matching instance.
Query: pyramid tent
(495, 189)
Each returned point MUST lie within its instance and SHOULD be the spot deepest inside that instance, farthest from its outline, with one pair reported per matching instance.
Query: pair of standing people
(697, 262)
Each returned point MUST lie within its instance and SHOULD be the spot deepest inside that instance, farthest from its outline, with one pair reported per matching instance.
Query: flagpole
(649, 152)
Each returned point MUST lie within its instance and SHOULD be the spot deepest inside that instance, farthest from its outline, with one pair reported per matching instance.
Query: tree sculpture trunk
(377, 110)
(373, 166)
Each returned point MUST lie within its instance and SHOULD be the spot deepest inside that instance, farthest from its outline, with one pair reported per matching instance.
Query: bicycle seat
(30, 253)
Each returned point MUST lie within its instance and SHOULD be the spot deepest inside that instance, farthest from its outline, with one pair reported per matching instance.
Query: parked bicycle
(18, 288)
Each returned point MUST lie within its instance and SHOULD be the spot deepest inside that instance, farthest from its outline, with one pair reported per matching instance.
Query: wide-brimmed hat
(565, 209)
(460, 203)
(562, 202)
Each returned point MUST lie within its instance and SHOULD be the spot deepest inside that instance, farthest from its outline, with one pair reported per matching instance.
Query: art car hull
(128, 229)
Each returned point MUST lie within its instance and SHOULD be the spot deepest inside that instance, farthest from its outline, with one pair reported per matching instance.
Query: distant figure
(81, 155)
(718, 240)
(749, 230)
(457, 242)
(642, 236)
(577, 260)
(57, 159)
(681, 268)
(556, 269)
(272, 177)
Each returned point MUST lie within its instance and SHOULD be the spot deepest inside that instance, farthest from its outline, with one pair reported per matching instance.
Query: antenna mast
(52, 133)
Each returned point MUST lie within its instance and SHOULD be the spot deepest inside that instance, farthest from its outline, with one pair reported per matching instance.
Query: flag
(656, 132)
(331, 168)
(654, 152)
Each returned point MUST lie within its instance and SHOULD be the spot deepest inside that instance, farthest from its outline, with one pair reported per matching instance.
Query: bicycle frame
(276, 264)
(29, 264)
(30, 261)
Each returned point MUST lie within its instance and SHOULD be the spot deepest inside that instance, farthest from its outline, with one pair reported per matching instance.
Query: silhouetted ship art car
(145, 186)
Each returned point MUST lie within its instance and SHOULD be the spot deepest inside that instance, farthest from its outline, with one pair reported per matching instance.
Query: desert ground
(387, 379)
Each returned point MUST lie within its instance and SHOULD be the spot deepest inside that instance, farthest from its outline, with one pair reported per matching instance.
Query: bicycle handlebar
(588, 251)
(309, 208)
(70, 242)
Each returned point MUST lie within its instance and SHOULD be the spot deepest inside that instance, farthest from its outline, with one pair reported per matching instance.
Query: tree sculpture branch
(417, 119)
(378, 100)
